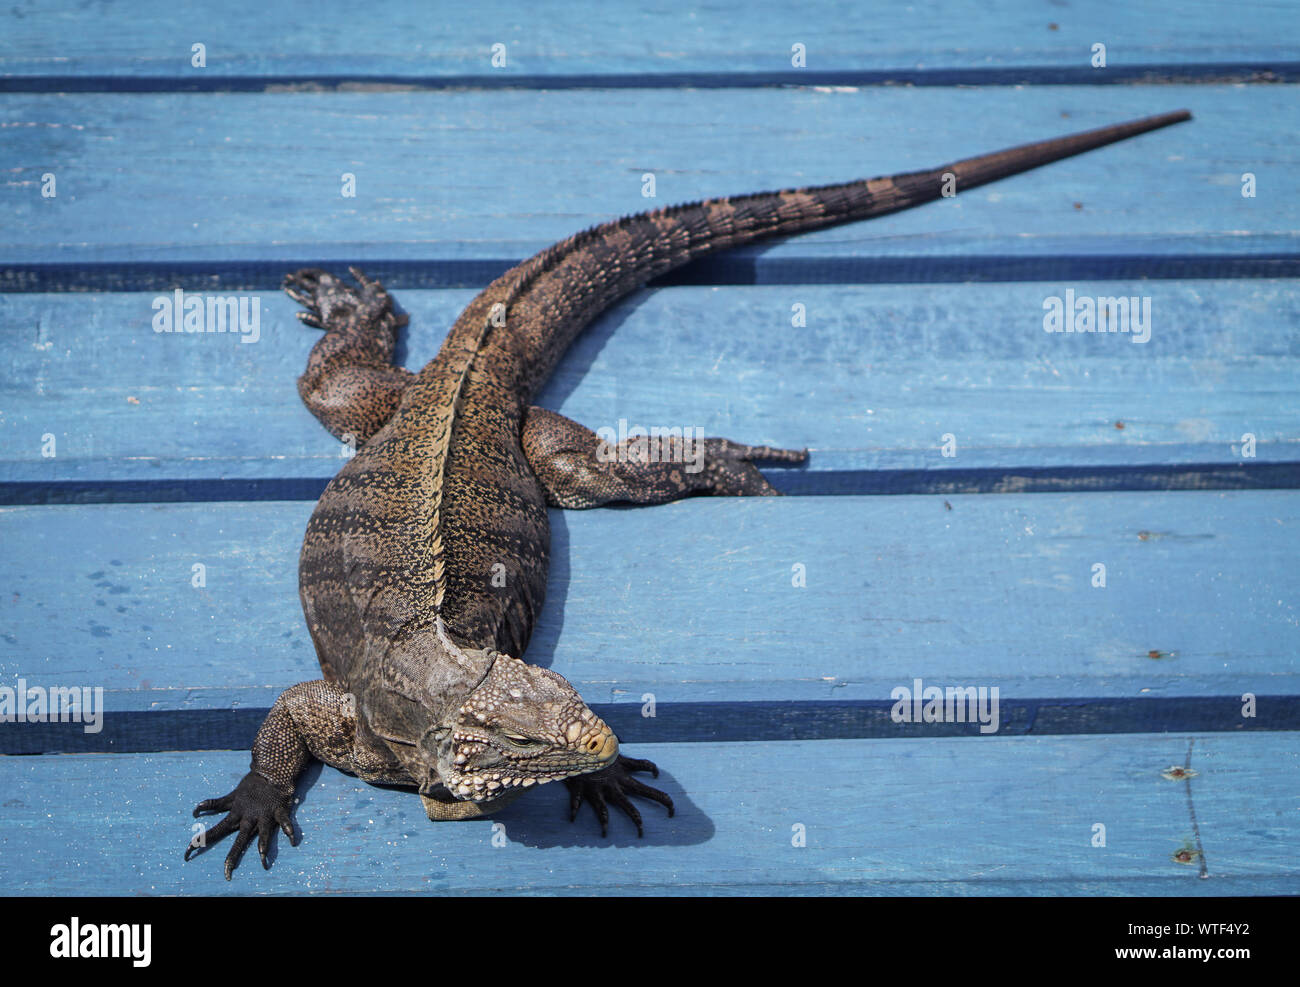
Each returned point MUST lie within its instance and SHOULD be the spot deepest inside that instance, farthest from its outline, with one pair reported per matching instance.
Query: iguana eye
(519, 741)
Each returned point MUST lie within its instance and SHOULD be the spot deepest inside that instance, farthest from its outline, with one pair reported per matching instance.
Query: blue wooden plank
(465, 174)
(961, 259)
(1033, 805)
(995, 592)
(248, 39)
(200, 728)
(873, 382)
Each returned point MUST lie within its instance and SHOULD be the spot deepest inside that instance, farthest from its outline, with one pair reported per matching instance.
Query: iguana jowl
(420, 647)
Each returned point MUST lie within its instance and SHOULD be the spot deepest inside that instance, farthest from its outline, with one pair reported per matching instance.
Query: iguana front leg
(309, 719)
(578, 469)
(614, 784)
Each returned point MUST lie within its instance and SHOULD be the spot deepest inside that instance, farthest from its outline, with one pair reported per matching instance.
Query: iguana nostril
(604, 746)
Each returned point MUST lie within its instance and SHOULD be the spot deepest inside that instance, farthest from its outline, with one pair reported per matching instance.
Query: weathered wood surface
(937, 44)
(875, 379)
(463, 182)
(919, 817)
(695, 601)
(771, 699)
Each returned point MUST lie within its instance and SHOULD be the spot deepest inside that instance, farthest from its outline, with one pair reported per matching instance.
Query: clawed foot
(729, 468)
(334, 304)
(614, 784)
(255, 807)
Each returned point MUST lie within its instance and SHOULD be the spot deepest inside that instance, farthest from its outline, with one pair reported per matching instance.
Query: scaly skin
(417, 633)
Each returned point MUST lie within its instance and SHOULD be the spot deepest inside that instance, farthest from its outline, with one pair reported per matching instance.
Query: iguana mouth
(438, 792)
(487, 785)
(591, 749)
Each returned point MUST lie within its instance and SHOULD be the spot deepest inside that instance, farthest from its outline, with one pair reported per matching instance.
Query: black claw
(255, 808)
(615, 784)
(634, 787)
(639, 764)
(286, 825)
(597, 800)
(237, 848)
(624, 803)
(264, 842)
(575, 800)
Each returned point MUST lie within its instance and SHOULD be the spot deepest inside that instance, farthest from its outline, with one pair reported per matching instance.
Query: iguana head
(520, 726)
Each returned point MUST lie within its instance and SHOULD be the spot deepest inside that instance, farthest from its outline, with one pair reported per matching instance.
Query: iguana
(421, 647)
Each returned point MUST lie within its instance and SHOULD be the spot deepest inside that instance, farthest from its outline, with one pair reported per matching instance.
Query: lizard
(421, 651)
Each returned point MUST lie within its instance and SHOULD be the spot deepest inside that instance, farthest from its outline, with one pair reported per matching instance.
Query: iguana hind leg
(309, 719)
(578, 469)
(350, 383)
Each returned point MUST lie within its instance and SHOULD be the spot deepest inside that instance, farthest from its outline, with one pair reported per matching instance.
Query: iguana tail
(545, 302)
